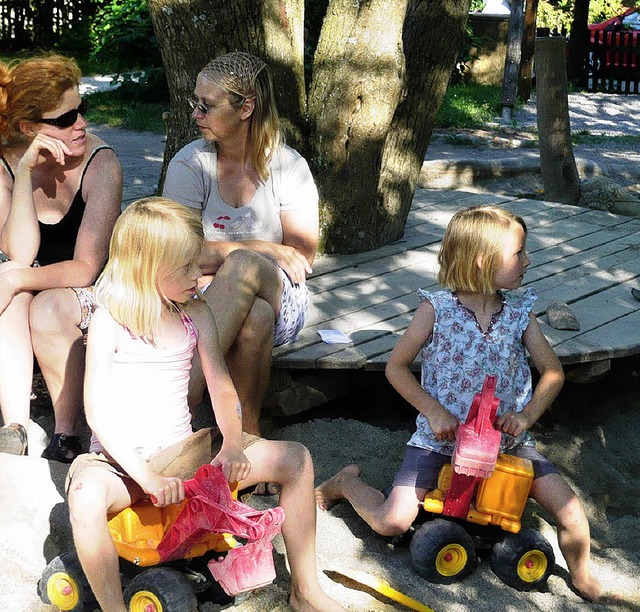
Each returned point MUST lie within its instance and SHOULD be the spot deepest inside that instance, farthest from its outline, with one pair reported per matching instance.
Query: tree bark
(512, 59)
(557, 163)
(358, 77)
(525, 77)
(579, 45)
(428, 68)
(365, 123)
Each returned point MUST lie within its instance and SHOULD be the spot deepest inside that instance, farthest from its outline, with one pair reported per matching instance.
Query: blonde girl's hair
(472, 234)
(244, 76)
(153, 236)
(31, 87)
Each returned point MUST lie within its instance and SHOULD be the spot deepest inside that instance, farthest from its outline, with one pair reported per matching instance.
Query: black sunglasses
(68, 118)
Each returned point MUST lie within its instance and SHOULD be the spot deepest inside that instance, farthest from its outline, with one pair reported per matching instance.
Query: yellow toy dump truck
(172, 555)
(482, 494)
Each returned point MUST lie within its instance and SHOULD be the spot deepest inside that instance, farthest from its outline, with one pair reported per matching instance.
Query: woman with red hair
(60, 195)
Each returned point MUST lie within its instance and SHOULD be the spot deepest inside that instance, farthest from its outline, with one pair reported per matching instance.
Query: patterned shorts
(84, 294)
(87, 305)
(294, 307)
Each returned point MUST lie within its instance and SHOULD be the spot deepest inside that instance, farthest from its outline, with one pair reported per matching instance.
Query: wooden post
(528, 41)
(557, 163)
(579, 45)
(512, 60)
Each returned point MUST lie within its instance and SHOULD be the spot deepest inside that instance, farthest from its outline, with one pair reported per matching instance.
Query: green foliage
(477, 5)
(585, 137)
(125, 26)
(467, 54)
(122, 36)
(116, 108)
(557, 15)
(469, 105)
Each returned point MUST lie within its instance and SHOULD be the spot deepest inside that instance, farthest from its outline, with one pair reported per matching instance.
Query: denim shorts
(420, 466)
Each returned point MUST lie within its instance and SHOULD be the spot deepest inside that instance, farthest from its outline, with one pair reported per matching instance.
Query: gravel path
(504, 158)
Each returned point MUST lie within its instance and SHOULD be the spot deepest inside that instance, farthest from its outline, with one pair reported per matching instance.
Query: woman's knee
(258, 325)
(241, 264)
(54, 310)
(249, 269)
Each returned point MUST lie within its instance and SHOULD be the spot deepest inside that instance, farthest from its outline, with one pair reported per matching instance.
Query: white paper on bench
(334, 336)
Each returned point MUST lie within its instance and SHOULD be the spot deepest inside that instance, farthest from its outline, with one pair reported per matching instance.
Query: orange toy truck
(481, 487)
(171, 555)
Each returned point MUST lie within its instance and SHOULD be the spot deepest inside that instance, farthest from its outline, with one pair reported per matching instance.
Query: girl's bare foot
(589, 588)
(319, 602)
(329, 493)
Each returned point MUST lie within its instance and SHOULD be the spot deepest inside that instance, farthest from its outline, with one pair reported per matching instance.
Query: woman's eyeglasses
(202, 107)
(69, 118)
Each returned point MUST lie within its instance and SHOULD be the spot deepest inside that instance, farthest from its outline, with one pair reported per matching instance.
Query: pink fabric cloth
(211, 508)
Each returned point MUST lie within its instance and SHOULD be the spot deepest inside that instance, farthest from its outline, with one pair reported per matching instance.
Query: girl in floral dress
(472, 328)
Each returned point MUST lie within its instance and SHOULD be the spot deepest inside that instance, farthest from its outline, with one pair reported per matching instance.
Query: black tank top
(58, 240)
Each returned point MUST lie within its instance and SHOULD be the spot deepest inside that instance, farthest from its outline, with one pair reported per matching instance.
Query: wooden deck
(588, 259)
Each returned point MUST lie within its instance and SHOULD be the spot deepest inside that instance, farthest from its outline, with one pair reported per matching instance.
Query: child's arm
(548, 387)
(225, 401)
(398, 371)
(101, 346)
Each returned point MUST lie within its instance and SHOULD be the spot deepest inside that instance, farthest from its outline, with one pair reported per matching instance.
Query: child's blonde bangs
(474, 234)
(153, 236)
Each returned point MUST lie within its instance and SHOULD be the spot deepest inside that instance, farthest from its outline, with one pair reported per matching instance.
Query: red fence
(614, 62)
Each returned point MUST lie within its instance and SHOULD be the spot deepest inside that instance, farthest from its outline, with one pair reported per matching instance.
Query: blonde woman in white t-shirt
(259, 207)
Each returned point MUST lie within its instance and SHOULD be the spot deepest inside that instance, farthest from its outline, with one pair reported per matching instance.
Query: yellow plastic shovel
(354, 579)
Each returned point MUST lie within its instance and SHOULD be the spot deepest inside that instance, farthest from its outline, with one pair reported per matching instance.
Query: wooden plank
(588, 252)
(370, 270)
(360, 295)
(586, 258)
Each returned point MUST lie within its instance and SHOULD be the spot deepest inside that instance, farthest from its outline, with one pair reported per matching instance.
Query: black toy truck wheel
(523, 560)
(442, 551)
(160, 589)
(64, 585)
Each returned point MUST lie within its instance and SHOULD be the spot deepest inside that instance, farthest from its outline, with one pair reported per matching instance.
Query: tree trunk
(557, 163)
(579, 45)
(365, 124)
(427, 74)
(512, 59)
(358, 78)
(525, 77)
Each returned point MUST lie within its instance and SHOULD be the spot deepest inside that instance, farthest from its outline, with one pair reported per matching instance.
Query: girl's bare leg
(289, 465)
(92, 495)
(59, 349)
(556, 496)
(390, 516)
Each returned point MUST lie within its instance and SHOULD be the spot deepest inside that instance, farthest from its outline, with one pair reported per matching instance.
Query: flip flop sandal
(13, 439)
(60, 446)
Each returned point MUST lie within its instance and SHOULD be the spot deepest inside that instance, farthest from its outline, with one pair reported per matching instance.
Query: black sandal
(60, 446)
(13, 439)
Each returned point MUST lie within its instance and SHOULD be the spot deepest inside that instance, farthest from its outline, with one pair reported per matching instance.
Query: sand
(591, 433)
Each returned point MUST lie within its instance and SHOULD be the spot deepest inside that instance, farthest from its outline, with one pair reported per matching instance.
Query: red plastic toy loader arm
(476, 452)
